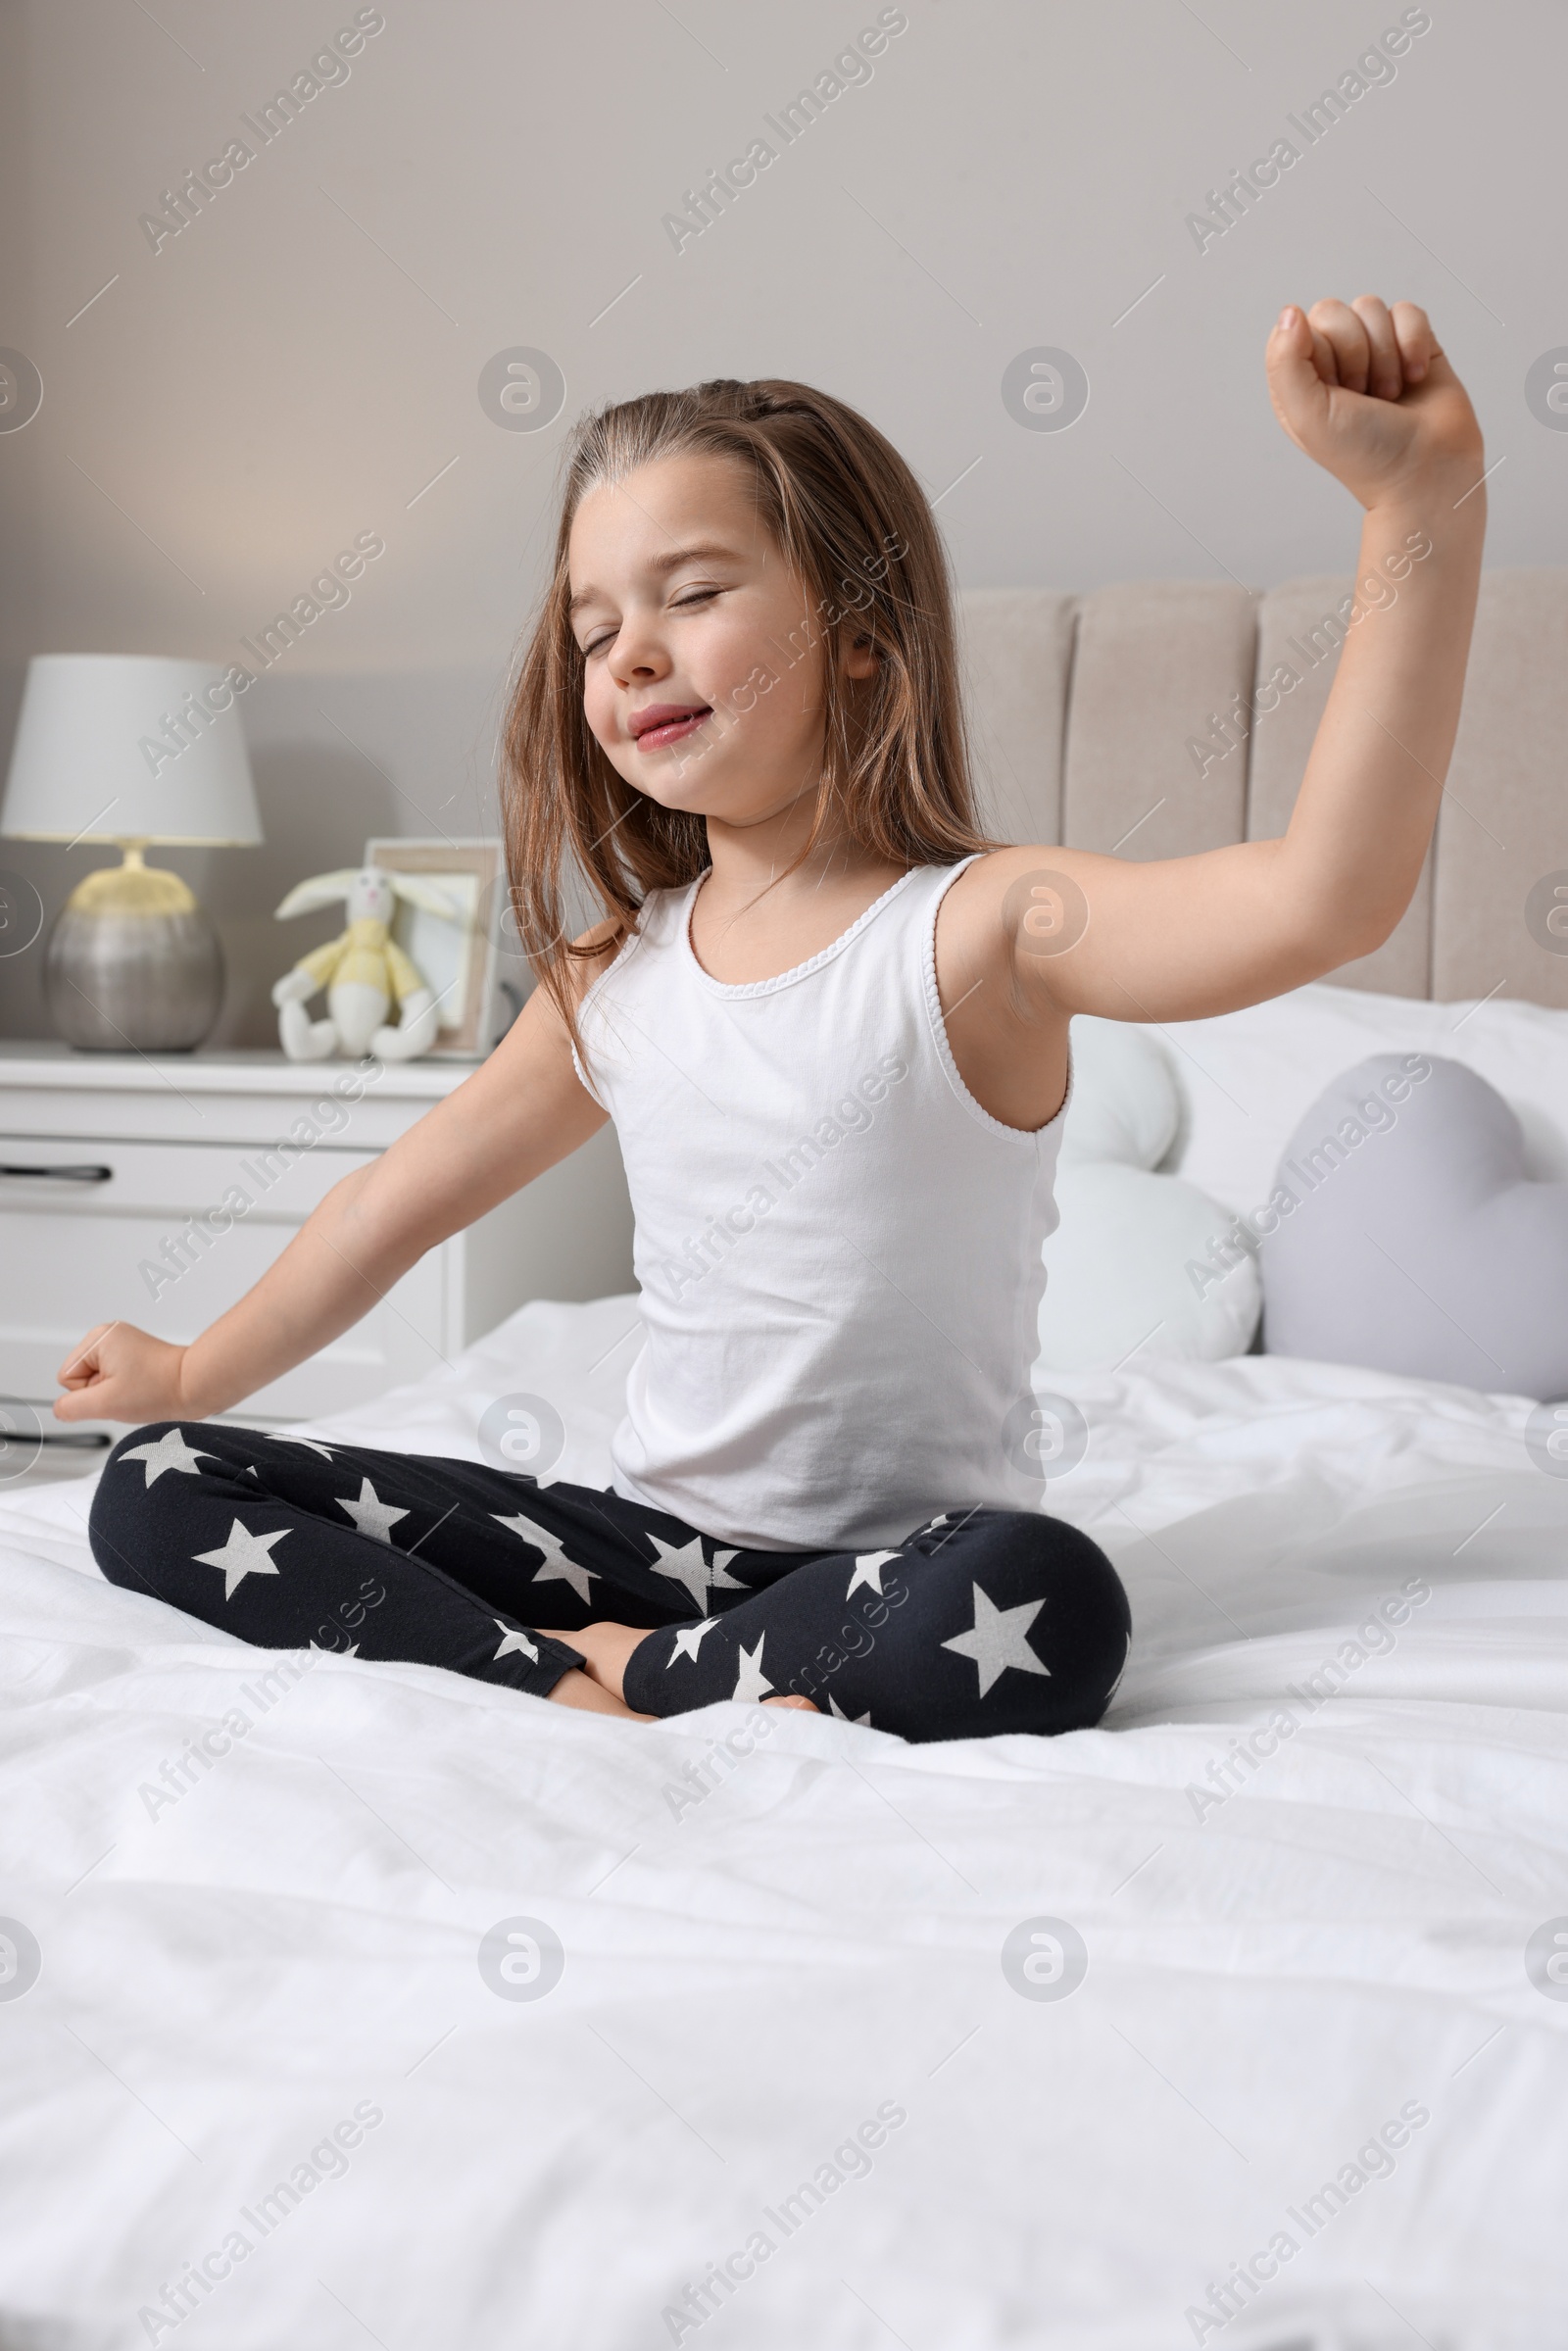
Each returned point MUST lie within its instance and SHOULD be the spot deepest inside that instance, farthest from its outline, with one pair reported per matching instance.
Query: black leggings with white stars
(985, 1621)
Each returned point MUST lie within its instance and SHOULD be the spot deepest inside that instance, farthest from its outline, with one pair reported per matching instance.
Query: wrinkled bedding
(1193, 2028)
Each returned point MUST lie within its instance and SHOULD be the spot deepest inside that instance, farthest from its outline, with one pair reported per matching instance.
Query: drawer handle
(57, 1175)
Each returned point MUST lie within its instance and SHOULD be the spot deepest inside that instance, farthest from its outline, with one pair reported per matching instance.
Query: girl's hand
(121, 1373)
(1368, 393)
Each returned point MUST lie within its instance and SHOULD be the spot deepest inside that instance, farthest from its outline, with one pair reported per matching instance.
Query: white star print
(684, 1564)
(689, 1639)
(324, 1450)
(720, 1578)
(169, 1452)
(835, 1708)
(556, 1568)
(371, 1514)
(510, 1639)
(868, 1568)
(352, 1650)
(999, 1640)
(751, 1682)
(243, 1554)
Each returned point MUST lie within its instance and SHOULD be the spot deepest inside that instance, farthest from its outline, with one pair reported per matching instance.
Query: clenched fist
(1368, 393)
(121, 1373)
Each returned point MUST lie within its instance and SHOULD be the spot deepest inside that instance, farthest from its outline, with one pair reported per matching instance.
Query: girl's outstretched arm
(1368, 395)
(521, 1112)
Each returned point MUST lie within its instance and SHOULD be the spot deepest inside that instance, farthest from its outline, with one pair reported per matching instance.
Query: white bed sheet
(749, 1977)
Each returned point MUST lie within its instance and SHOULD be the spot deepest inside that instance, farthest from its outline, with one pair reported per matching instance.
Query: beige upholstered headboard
(1092, 717)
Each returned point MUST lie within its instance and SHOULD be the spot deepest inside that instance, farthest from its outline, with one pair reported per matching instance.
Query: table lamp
(123, 748)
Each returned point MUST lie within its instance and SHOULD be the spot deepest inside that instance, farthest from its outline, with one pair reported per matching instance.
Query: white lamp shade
(122, 747)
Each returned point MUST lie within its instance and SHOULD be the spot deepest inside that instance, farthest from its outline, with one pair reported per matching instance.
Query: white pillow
(1117, 1265)
(1248, 1078)
(1125, 1102)
(1117, 1279)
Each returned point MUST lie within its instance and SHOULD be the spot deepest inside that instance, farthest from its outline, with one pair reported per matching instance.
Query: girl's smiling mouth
(666, 722)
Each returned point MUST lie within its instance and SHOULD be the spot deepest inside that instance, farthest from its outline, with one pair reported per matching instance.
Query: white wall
(297, 363)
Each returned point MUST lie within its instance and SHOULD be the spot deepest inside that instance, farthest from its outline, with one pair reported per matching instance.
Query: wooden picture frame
(459, 965)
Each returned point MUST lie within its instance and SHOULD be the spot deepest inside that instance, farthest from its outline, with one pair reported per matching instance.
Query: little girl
(830, 1021)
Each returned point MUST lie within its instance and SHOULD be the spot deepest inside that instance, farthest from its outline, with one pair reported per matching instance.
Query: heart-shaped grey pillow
(1404, 1234)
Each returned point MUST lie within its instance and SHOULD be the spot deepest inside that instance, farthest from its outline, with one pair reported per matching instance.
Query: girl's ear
(320, 891)
(857, 656)
(425, 895)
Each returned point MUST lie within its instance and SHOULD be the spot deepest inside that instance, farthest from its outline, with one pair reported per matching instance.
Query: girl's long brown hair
(852, 521)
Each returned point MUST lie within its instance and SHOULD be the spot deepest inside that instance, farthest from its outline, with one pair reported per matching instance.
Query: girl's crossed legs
(984, 1621)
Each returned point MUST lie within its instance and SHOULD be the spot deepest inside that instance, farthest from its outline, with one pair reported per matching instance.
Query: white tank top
(839, 1250)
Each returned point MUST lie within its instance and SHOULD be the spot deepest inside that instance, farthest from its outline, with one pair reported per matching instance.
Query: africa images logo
(851, 67)
(1230, 203)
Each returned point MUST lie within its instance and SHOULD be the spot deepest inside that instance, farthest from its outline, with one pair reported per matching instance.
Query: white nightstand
(105, 1160)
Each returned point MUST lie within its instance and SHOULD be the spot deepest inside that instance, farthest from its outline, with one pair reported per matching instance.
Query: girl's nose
(637, 656)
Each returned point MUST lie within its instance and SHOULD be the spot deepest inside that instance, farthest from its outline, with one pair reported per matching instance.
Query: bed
(408, 2011)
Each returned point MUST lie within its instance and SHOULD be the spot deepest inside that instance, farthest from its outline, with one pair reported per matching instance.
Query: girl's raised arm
(521, 1112)
(1368, 395)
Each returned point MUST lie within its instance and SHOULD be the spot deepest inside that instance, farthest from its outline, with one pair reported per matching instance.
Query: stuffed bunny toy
(364, 971)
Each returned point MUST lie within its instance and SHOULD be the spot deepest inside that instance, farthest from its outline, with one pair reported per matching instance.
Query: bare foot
(606, 1652)
(598, 1687)
(579, 1689)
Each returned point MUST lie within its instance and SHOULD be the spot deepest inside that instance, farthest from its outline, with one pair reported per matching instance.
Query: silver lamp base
(134, 964)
